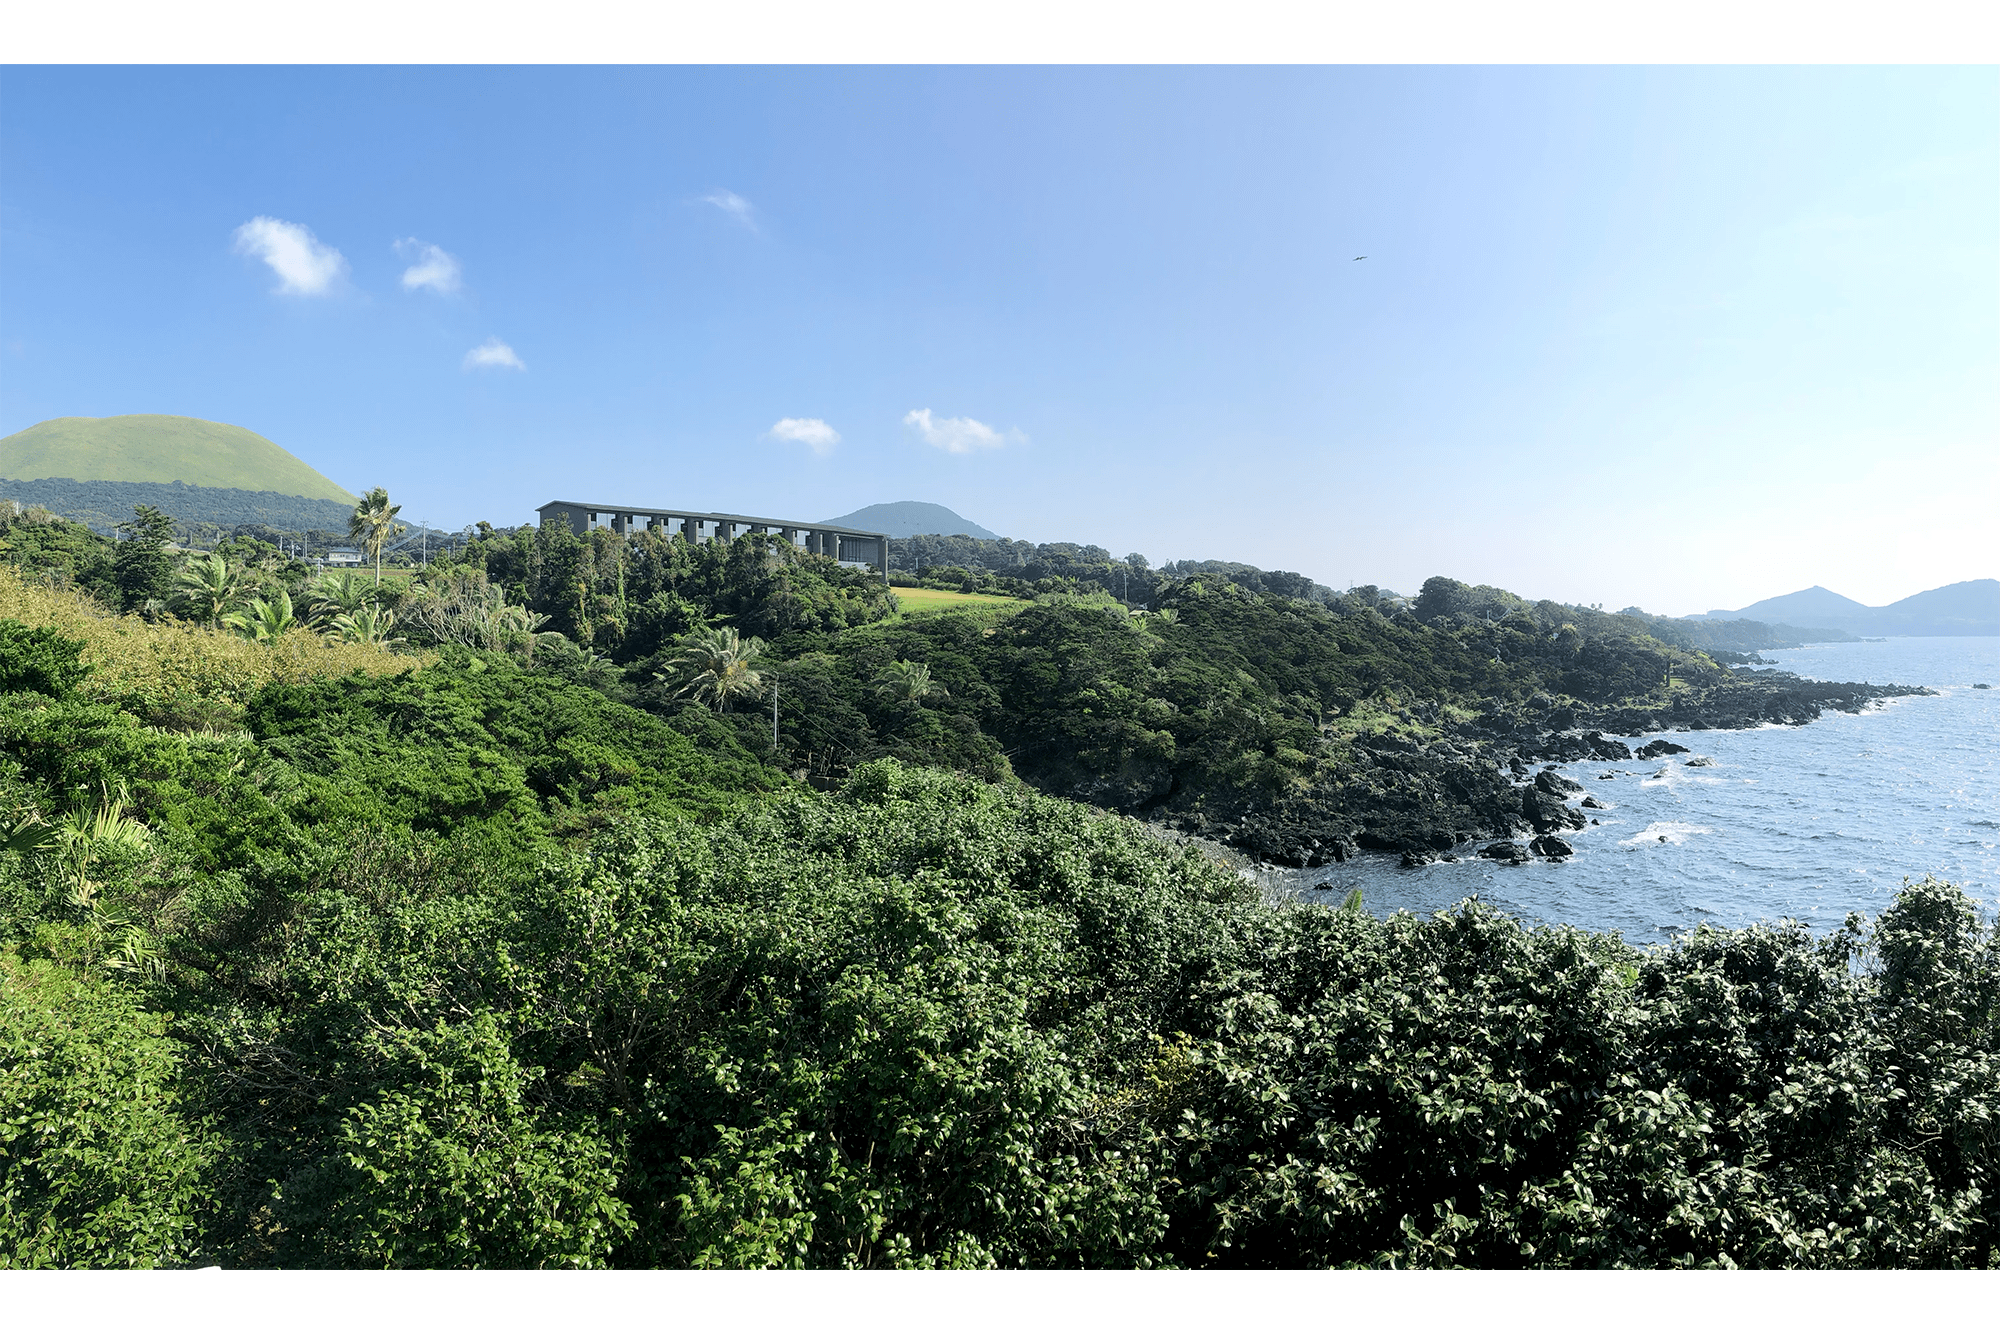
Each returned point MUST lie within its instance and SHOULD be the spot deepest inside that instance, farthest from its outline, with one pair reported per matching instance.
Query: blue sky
(1681, 337)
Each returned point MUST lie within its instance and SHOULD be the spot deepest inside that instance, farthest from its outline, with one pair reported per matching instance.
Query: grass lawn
(937, 599)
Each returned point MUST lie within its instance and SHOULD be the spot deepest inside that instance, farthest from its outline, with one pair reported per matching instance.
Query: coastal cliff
(1426, 796)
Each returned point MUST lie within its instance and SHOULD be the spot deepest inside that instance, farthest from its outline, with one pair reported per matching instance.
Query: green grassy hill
(153, 448)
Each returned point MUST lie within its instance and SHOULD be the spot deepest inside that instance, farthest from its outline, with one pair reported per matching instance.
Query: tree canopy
(499, 951)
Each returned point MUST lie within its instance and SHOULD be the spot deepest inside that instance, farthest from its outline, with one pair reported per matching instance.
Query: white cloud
(735, 205)
(493, 353)
(434, 267)
(304, 266)
(811, 432)
(957, 435)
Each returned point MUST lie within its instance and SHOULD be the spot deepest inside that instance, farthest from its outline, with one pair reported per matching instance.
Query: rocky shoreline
(1439, 793)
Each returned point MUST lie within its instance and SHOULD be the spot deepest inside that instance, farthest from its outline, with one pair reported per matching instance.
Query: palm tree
(334, 595)
(212, 586)
(719, 660)
(82, 835)
(374, 522)
(593, 668)
(515, 627)
(264, 619)
(908, 682)
(367, 625)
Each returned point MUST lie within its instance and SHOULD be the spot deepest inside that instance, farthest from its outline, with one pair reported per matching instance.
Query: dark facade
(849, 546)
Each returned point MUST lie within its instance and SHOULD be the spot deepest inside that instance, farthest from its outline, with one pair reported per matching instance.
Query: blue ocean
(1809, 822)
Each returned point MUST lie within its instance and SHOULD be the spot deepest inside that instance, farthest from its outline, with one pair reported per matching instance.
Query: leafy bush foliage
(39, 660)
(481, 741)
(463, 962)
(932, 1022)
(101, 1166)
(65, 555)
(165, 671)
(451, 1167)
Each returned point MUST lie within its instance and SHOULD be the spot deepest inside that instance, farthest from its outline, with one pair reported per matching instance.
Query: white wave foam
(1664, 831)
(1667, 777)
(1672, 774)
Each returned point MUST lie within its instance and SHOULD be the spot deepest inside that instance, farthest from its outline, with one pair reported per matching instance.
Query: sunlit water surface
(1807, 822)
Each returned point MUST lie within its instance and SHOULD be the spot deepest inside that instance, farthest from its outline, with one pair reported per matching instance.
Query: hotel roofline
(849, 546)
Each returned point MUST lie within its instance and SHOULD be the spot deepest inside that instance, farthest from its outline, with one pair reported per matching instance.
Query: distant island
(1971, 607)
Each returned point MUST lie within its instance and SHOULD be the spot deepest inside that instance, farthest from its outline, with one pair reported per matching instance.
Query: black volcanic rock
(1555, 785)
(1569, 746)
(1545, 813)
(1506, 852)
(1548, 845)
(1604, 748)
(1563, 747)
(1134, 784)
(1465, 782)
(1593, 804)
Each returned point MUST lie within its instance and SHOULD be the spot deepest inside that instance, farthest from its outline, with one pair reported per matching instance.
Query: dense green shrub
(222, 791)
(176, 674)
(100, 1163)
(1466, 1092)
(40, 660)
(451, 1167)
(932, 1022)
(41, 546)
(473, 965)
(479, 739)
(351, 995)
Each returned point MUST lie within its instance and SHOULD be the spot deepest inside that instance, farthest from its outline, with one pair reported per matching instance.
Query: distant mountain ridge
(912, 518)
(1971, 607)
(161, 450)
(1812, 605)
